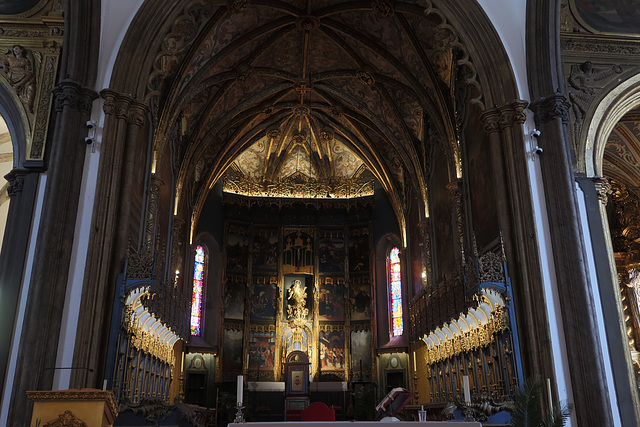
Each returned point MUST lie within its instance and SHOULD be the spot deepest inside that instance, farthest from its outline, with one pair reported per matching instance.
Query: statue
(20, 75)
(298, 294)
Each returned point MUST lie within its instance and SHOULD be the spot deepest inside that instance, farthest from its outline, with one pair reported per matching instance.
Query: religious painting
(360, 298)
(237, 248)
(234, 299)
(331, 252)
(298, 297)
(361, 353)
(481, 188)
(263, 296)
(232, 351)
(262, 348)
(359, 250)
(264, 250)
(297, 255)
(609, 16)
(331, 299)
(332, 357)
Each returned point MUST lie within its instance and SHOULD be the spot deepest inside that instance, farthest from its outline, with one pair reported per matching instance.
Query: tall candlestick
(239, 389)
(467, 392)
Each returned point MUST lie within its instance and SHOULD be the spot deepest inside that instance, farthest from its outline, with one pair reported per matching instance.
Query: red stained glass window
(196, 297)
(395, 293)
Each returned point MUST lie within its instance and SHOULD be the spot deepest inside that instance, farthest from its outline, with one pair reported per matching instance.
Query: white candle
(414, 362)
(104, 384)
(467, 392)
(549, 393)
(239, 390)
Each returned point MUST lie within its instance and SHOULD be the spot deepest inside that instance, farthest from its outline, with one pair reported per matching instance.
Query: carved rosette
(550, 108)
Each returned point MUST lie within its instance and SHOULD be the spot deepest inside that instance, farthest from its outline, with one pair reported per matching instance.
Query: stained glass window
(198, 286)
(395, 294)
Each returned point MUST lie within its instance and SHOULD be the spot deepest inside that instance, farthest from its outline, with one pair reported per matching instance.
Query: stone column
(586, 366)
(23, 185)
(48, 281)
(517, 225)
(596, 191)
(116, 220)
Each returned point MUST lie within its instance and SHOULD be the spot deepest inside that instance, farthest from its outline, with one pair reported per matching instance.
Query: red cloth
(318, 411)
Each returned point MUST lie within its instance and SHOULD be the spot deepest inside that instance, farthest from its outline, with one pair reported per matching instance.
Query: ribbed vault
(388, 80)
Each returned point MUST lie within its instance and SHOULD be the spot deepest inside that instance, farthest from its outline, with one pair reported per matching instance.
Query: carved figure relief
(582, 88)
(20, 74)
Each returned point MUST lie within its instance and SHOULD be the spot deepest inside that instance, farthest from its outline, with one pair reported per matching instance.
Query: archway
(395, 85)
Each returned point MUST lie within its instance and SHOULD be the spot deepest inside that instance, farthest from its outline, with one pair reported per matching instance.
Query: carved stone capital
(491, 120)
(603, 188)
(512, 114)
(16, 181)
(551, 107)
(69, 93)
(124, 107)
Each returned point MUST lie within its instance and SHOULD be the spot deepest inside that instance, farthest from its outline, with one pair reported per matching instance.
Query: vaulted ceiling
(378, 81)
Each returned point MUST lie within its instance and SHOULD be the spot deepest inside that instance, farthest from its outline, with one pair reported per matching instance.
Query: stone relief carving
(19, 69)
(582, 85)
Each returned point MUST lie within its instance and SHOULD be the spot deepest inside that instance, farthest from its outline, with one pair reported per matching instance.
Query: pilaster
(23, 184)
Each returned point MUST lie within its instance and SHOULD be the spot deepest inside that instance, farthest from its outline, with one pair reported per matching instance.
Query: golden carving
(293, 188)
(66, 419)
(69, 395)
(477, 337)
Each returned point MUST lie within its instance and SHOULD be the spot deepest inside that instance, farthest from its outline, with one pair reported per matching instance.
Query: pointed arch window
(198, 291)
(395, 293)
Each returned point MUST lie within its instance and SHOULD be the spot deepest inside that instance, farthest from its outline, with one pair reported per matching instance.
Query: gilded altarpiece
(292, 289)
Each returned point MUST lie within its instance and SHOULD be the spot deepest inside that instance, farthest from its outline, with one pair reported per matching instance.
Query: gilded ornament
(67, 419)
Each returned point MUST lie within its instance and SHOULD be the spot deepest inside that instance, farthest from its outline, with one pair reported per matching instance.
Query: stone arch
(12, 116)
(606, 115)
